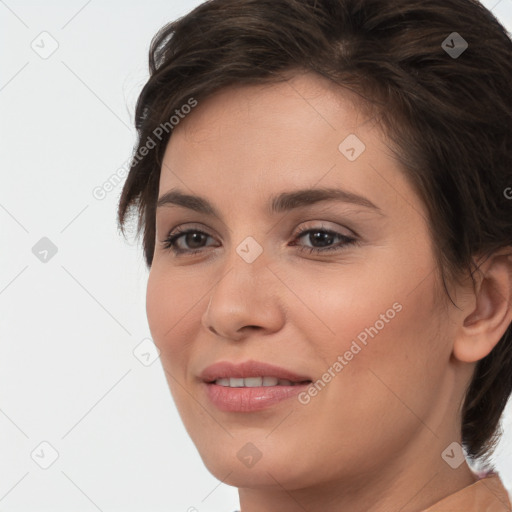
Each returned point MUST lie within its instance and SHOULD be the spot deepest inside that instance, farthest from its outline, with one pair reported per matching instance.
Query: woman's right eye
(190, 236)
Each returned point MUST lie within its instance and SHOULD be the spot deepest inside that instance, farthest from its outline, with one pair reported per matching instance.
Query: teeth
(236, 383)
(270, 381)
(253, 382)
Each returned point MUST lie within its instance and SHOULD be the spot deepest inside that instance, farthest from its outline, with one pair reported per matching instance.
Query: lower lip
(250, 399)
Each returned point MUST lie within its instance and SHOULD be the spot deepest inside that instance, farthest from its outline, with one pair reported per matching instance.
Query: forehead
(268, 112)
(247, 141)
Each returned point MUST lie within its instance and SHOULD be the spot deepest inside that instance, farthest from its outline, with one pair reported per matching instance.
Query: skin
(372, 439)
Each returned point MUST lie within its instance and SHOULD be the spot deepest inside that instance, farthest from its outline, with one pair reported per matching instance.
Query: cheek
(168, 311)
(167, 304)
(382, 319)
(360, 303)
(156, 304)
(393, 378)
(401, 363)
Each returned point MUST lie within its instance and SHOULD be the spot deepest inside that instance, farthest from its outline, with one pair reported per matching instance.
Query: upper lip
(227, 369)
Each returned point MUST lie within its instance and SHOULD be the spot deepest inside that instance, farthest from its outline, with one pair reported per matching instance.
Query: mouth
(251, 374)
(256, 382)
(250, 386)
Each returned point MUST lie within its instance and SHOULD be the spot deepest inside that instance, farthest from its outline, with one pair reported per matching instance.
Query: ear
(489, 311)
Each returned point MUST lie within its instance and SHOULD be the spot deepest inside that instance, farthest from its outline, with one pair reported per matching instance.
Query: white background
(68, 327)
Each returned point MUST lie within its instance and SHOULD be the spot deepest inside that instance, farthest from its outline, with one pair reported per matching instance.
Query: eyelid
(315, 224)
(324, 225)
(169, 244)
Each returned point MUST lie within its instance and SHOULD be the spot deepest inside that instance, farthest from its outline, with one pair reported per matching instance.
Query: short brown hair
(449, 116)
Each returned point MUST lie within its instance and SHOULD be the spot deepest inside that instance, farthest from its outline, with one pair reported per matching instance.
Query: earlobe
(491, 314)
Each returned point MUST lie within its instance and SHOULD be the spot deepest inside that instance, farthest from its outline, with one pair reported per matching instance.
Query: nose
(246, 298)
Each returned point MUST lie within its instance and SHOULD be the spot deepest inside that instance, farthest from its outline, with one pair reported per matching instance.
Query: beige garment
(485, 495)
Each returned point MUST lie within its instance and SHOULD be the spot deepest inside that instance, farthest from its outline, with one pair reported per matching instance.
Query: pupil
(319, 236)
(194, 236)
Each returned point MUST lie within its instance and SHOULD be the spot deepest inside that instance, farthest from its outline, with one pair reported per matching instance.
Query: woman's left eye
(319, 235)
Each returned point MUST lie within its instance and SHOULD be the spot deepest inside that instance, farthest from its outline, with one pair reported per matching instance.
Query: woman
(323, 188)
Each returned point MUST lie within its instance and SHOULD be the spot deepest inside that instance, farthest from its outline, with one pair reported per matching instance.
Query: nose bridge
(245, 266)
(247, 244)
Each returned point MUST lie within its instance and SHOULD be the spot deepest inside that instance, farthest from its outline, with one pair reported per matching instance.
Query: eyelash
(169, 242)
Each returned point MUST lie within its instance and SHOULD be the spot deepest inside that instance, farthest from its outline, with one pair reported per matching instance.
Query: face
(340, 291)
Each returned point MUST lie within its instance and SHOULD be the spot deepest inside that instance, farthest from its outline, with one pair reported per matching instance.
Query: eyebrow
(283, 202)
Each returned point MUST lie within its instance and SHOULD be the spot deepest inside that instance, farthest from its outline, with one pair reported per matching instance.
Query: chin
(274, 469)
